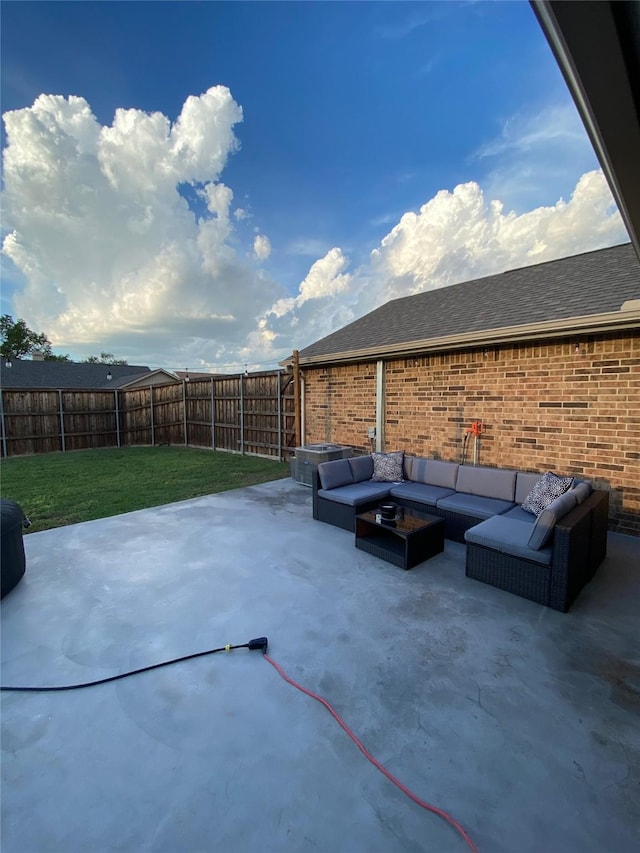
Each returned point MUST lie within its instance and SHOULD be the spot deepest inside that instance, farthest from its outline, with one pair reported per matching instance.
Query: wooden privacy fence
(244, 413)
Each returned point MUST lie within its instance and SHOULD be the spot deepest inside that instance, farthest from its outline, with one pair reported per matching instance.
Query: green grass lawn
(55, 489)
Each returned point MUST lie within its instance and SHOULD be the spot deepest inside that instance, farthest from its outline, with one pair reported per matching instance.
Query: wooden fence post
(115, 405)
(153, 431)
(242, 413)
(296, 395)
(213, 414)
(4, 431)
(280, 424)
(184, 409)
(61, 411)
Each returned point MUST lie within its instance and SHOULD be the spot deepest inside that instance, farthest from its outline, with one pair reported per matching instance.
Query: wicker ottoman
(12, 564)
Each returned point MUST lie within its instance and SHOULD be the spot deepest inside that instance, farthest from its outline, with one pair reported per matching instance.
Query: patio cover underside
(519, 721)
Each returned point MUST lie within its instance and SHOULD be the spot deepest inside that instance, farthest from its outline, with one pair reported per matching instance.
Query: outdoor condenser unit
(307, 459)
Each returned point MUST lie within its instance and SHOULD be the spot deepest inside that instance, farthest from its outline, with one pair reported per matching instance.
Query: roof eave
(596, 48)
(592, 324)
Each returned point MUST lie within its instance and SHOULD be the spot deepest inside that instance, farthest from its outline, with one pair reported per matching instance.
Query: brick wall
(340, 401)
(543, 406)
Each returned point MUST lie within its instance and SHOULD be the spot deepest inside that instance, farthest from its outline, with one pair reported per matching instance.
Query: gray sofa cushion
(546, 521)
(422, 492)
(509, 536)
(488, 482)
(524, 483)
(356, 493)
(520, 515)
(549, 487)
(361, 468)
(474, 505)
(433, 472)
(335, 473)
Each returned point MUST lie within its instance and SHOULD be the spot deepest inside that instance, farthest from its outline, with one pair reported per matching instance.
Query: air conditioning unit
(307, 458)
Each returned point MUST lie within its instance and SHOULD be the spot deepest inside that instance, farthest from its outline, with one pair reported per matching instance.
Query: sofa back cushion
(335, 473)
(433, 472)
(361, 468)
(524, 483)
(406, 466)
(546, 521)
(488, 482)
(410, 467)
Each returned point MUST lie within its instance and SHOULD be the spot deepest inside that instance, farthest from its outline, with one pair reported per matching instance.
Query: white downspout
(380, 406)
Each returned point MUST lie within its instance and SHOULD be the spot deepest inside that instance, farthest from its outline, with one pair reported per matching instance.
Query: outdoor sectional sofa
(547, 559)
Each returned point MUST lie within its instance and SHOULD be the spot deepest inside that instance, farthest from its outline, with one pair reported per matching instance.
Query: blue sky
(334, 154)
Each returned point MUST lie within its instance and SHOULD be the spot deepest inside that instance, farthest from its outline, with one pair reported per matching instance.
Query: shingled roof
(551, 296)
(25, 373)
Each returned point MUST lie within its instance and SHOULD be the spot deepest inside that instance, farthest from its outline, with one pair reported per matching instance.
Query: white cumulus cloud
(261, 247)
(107, 244)
(317, 309)
(454, 237)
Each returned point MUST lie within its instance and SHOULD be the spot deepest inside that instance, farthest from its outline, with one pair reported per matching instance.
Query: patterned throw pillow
(546, 490)
(387, 467)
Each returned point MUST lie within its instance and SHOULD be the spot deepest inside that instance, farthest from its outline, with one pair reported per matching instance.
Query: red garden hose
(422, 803)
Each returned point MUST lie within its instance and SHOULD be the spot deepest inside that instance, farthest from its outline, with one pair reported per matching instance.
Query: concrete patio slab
(521, 722)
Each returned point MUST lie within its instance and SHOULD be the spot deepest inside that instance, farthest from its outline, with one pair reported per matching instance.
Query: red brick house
(547, 357)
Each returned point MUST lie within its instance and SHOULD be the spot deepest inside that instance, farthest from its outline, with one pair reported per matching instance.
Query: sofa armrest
(599, 503)
(315, 485)
(579, 545)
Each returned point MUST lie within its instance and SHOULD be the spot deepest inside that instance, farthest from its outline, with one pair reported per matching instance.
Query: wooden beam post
(296, 396)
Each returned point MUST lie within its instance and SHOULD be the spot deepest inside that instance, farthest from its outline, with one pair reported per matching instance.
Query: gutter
(627, 318)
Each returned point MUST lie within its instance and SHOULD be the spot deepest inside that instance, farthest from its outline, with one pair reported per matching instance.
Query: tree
(103, 358)
(53, 357)
(19, 340)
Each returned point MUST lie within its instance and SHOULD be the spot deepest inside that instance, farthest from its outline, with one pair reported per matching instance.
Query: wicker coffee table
(411, 538)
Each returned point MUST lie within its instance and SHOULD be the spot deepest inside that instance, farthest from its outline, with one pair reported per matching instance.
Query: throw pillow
(387, 467)
(546, 490)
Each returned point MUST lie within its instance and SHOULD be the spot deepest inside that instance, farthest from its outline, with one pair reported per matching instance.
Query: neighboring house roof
(25, 373)
(581, 293)
(160, 376)
(193, 375)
